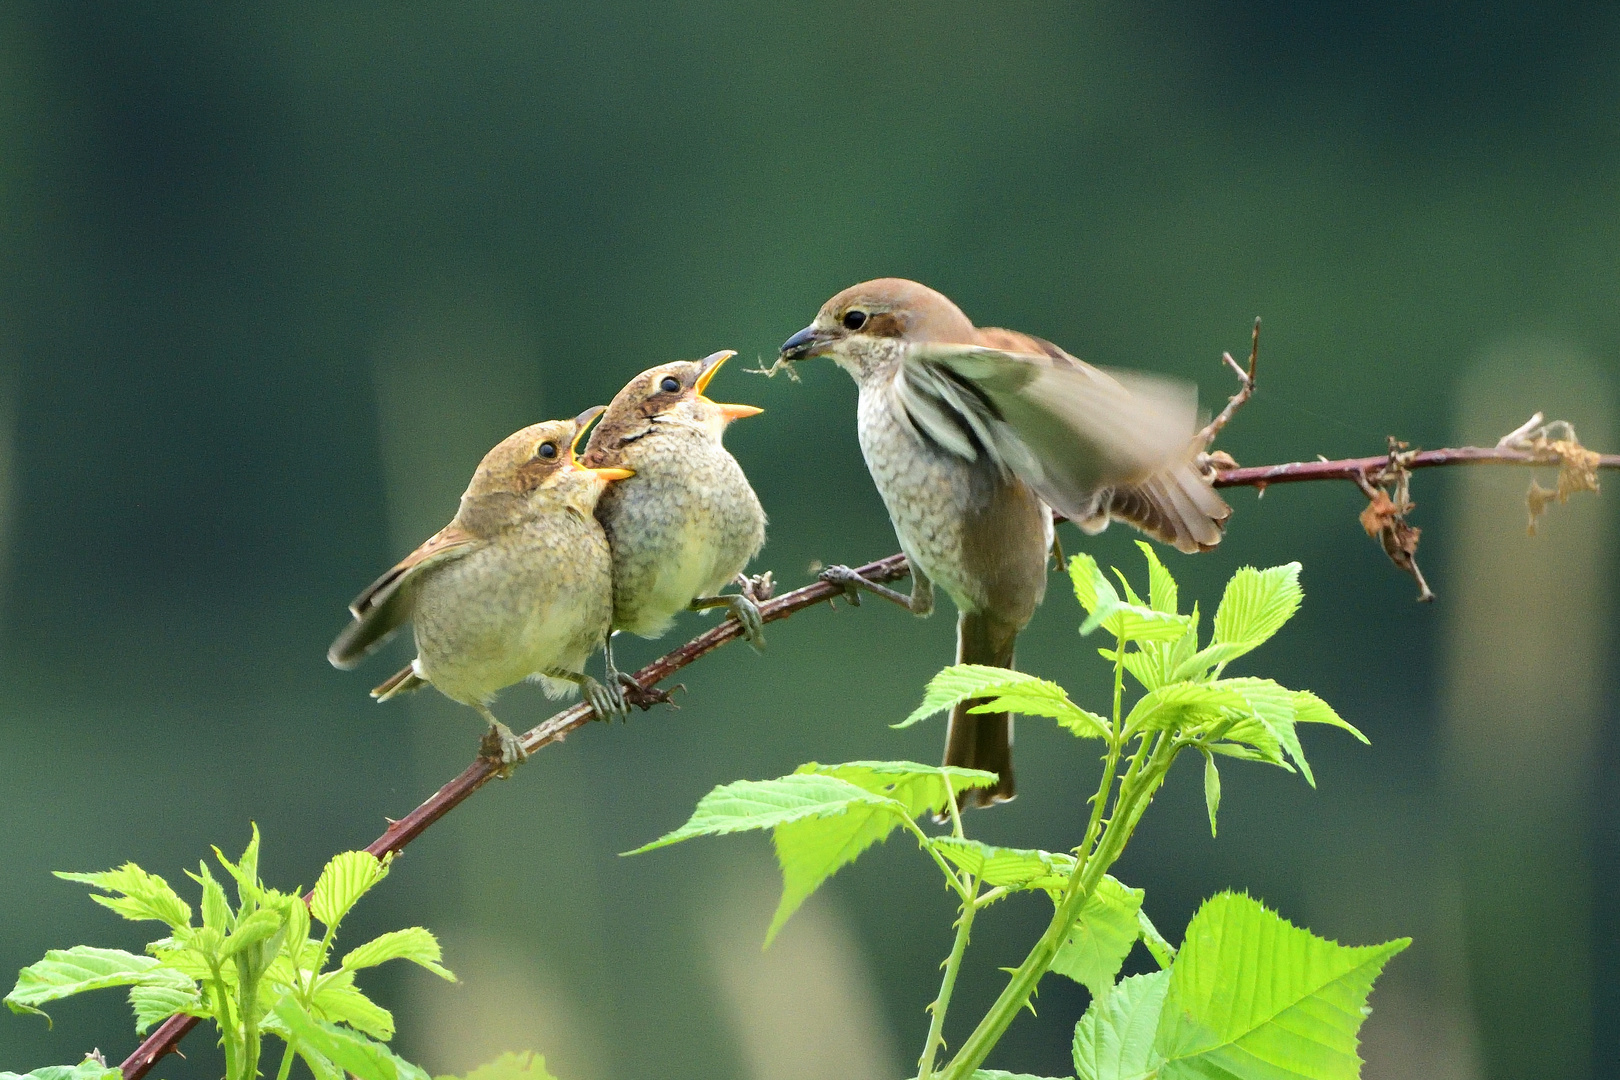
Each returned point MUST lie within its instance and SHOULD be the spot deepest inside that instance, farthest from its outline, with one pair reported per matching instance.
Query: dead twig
(1245, 390)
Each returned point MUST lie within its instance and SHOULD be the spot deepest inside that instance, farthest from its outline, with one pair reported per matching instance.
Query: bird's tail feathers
(983, 740)
(1177, 507)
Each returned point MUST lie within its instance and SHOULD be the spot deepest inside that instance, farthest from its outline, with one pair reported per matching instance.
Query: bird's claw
(503, 748)
(609, 702)
(759, 587)
(849, 579)
(746, 611)
(645, 697)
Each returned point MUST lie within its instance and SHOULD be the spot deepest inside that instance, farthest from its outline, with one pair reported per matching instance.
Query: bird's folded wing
(385, 604)
(1064, 427)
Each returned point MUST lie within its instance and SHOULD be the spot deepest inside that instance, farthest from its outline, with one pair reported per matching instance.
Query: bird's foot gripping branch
(1246, 994)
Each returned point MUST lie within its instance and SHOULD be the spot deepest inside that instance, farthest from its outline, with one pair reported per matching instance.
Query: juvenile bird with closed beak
(517, 586)
(688, 522)
(973, 437)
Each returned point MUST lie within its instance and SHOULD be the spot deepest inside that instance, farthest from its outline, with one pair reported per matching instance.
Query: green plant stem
(1099, 801)
(942, 1003)
(227, 1024)
(286, 1063)
(956, 882)
(1146, 773)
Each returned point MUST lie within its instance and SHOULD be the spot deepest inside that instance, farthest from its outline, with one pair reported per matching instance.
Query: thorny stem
(953, 964)
(168, 1035)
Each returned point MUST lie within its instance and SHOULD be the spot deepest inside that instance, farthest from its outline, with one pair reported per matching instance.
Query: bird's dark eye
(547, 450)
(854, 319)
(670, 384)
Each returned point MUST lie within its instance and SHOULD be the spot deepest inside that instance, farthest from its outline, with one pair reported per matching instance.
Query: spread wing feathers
(1065, 428)
(1175, 507)
(386, 603)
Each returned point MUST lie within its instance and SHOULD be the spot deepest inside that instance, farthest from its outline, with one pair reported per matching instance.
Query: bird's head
(668, 393)
(541, 458)
(864, 323)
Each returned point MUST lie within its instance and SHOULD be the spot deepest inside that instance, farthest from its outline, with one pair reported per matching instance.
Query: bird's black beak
(805, 344)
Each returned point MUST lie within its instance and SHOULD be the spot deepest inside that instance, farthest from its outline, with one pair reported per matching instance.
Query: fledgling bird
(971, 435)
(688, 522)
(517, 586)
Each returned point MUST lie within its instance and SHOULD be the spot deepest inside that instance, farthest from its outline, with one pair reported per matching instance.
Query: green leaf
(139, 895)
(245, 871)
(342, 1003)
(1015, 868)
(1114, 1039)
(1274, 705)
(1132, 622)
(257, 927)
(919, 788)
(155, 1004)
(1255, 605)
(1163, 952)
(1196, 665)
(1253, 996)
(998, 1074)
(1162, 591)
(88, 1069)
(1101, 937)
(1037, 697)
(414, 943)
(764, 804)
(65, 972)
(216, 911)
(345, 1049)
(1310, 709)
(1212, 789)
(1179, 705)
(509, 1066)
(343, 882)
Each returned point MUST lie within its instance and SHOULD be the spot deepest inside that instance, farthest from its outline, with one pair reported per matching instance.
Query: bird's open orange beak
(582, 423)
(711, 364)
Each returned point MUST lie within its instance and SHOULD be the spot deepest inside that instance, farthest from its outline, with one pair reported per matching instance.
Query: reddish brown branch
(1262, 476)
(167, 1036)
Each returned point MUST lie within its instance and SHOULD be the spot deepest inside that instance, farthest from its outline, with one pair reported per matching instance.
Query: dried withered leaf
(1380, 512)
(1577, 472)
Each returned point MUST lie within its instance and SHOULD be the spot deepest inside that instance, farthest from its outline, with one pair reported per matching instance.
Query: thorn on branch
(1384, 519)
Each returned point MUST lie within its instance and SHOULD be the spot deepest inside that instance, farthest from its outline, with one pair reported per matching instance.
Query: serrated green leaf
(1038, 697)
(1196, 665)
(1310, 709)
(297, 939)
(257, 927)
(1114, 1039)
(1015, 868)
(342, 1003)
(1274, 705)
(1212, 789)
(347, 1050)
(245, 871)
(1163, 594)
(1253, 996)
(744, 805)
(812, 850)
(155, 1004)
(346, 878)
(1104, 608)
(140, 895)
(919, 788)
(414, 943)
(1164, 953)
(1178, 705)
(1101, 938)
(960, 682)
(65, 972)
(509, 1066)
(1256, 604)
(216, 911)
(88, 1069)
(998, 1074)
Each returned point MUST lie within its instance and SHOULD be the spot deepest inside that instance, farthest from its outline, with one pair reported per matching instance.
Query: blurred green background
(273, 277)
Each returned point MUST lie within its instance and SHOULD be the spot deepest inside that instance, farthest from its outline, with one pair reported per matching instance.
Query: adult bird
(973, 437)
(518, 586)
(688, 522)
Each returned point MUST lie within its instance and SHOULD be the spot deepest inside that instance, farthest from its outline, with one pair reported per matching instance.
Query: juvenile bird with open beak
(688, 522)
(517, 586)
(973, 437)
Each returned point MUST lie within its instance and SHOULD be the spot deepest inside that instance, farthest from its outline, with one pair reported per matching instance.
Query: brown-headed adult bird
(688, 522)
(518, 586)
(973, 437)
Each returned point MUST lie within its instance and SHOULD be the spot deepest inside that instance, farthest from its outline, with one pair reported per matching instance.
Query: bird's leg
(919, 603)
(614, 675)
(607, 701)
(500, 745)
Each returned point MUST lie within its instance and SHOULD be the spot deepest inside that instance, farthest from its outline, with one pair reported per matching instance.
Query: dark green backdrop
(271, 280)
